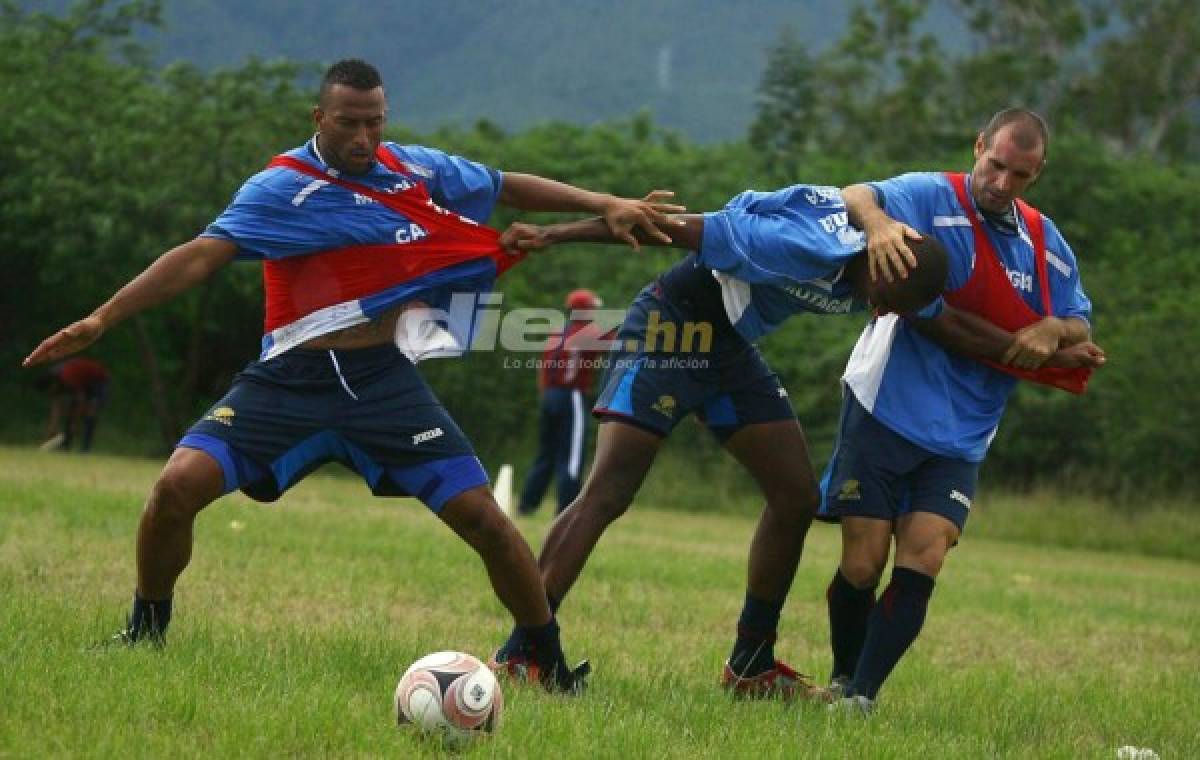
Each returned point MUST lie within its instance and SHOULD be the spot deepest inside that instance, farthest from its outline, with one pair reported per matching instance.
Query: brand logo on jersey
(824, 196)
(850, 237)
(850, 491)
(222, 414)
(818, 299)
(1020, 280)
(782, 392)
(961, 498)
(410, 233)
(833, 221)
(428, 435)
(665, 405)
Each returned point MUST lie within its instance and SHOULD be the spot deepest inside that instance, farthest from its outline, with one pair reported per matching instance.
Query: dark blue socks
(849, 608)
(149, 619)
(891, 629)
(754, 650)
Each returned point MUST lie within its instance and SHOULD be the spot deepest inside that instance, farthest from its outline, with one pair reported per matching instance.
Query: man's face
(350, 122)
(1003, 170)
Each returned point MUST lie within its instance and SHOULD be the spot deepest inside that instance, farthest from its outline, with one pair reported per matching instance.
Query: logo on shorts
(428, 435)
(850, 491)
(222, 414)
(961, 498)
(665, 405)
(782, 392)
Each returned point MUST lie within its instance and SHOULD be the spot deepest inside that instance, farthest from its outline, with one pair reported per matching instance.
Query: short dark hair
(351, 72)
(1029, 129)
(928, 280)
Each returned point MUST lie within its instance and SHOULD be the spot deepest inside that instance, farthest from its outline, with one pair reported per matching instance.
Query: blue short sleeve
(1062, 269)
(456, 183)
(909, 198)
(264, 223)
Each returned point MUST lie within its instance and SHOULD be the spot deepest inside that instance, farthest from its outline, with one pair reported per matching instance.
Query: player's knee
(796, 503)
(604, 502)
(927, 558)
(175, 496)
(862, 572)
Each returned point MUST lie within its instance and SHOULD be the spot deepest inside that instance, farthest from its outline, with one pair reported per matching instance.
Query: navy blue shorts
(663, 368)
(368, 409)
(875, 472)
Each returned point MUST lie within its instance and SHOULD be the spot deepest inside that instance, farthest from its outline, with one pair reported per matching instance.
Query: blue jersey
(781, 253)
(280, 212)
(951, 405)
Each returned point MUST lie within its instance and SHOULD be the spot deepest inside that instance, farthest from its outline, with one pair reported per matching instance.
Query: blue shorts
(368, 409)
(877, 473)
(653, 383)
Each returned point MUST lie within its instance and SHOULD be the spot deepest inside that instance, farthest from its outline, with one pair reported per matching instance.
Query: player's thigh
(940, 494)
(923, 539)
(776, 456)
(473, 514)
(624, 454)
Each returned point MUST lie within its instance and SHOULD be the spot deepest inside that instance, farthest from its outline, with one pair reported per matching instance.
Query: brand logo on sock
(428, 435)
(961, 498)
(850, 491)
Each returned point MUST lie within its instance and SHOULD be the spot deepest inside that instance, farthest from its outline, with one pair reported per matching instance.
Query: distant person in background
(564, 379)
(77, 388)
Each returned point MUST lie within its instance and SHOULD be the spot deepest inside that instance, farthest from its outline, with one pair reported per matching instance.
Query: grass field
(295, 620)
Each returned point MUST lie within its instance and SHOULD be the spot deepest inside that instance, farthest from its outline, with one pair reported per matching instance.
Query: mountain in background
(694, 65)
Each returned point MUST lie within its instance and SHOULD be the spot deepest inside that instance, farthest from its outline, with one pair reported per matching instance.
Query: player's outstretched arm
(172, 273)
(630, 220)
(686, 231)
(888, 254)
(964, 333)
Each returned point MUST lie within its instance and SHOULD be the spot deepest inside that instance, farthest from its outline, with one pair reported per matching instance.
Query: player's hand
(649, 215)
(1034, 344)
(1085, 354)
(888, 254)
(69, 340)
(522, 236)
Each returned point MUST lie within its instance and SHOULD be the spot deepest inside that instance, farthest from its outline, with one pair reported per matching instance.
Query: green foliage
(1127, 74)
(105, 163)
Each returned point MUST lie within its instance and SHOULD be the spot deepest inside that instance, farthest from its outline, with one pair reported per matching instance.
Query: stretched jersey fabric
(338, 252)
(951, 405)
(781, 253)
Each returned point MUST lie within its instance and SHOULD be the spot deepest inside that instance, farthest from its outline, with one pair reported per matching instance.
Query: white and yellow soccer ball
(450, 694)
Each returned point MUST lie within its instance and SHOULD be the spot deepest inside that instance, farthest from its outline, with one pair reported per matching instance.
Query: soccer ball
(451, 694)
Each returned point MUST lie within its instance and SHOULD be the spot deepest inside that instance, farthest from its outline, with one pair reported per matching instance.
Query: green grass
(295, 620)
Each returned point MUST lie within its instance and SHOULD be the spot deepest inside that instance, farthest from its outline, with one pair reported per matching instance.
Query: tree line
(106, 161)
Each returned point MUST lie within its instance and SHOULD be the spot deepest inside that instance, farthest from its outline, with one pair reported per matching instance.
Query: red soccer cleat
(522, 669)
(779, 682)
